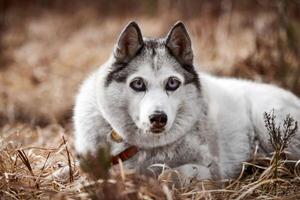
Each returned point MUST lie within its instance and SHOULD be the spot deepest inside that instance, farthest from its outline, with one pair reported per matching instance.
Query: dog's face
(151, 92)
(155, 95)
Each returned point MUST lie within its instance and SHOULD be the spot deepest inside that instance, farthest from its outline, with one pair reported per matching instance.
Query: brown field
(48, 47)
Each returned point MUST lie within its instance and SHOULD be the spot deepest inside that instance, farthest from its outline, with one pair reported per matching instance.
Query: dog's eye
(138, 85)
(172, 84)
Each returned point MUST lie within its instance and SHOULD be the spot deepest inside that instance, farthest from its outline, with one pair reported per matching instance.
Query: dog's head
(151, 92)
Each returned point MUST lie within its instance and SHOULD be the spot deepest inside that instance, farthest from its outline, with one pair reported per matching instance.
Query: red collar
(124, 155)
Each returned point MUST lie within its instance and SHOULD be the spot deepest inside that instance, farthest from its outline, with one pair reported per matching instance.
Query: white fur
(235, 111)
(210, 130)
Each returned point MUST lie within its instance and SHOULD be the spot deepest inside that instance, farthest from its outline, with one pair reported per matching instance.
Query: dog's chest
(190, 149)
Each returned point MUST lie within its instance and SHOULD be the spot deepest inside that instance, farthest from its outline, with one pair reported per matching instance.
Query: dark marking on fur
(119, 70)
(153, 53)
(117, 74)
(150, 46)
(189, 73)
(193, 77)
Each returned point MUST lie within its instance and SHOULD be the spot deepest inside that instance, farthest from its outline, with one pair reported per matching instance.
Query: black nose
(158, 120)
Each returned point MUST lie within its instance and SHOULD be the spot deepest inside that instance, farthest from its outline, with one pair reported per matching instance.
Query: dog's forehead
(155, 53)
(154, 43)
(153, 48)
(157, 57)
(156, 71)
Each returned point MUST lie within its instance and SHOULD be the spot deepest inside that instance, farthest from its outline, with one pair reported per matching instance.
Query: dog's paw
(172, 178)
(191, 171)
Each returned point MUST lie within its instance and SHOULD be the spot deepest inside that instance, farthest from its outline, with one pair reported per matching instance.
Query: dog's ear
(179, 43)
(129, 43)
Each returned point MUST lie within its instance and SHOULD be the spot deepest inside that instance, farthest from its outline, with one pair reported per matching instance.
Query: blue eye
(172, 84)
(138, 85)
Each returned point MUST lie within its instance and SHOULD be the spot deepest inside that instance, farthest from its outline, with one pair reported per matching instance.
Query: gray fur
(120, 71)
(213, 123)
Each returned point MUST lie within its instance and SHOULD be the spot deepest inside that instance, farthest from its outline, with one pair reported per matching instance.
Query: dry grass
(31, 167)
(46, 53)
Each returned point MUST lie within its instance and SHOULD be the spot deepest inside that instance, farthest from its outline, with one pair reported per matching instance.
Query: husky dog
(149, 95)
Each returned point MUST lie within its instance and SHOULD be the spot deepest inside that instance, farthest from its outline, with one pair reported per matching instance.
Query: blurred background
(47, 47)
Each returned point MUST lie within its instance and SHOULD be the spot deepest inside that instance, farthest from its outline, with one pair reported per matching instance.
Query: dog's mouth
(157, 130)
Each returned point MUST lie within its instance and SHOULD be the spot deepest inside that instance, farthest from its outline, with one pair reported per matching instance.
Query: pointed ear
(129, 43)
(179, 43)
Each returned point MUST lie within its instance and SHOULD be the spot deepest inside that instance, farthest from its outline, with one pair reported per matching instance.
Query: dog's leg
(184, 174)
(91, 129)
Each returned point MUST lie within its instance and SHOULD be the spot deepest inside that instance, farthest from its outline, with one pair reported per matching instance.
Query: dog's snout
(158, 120)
